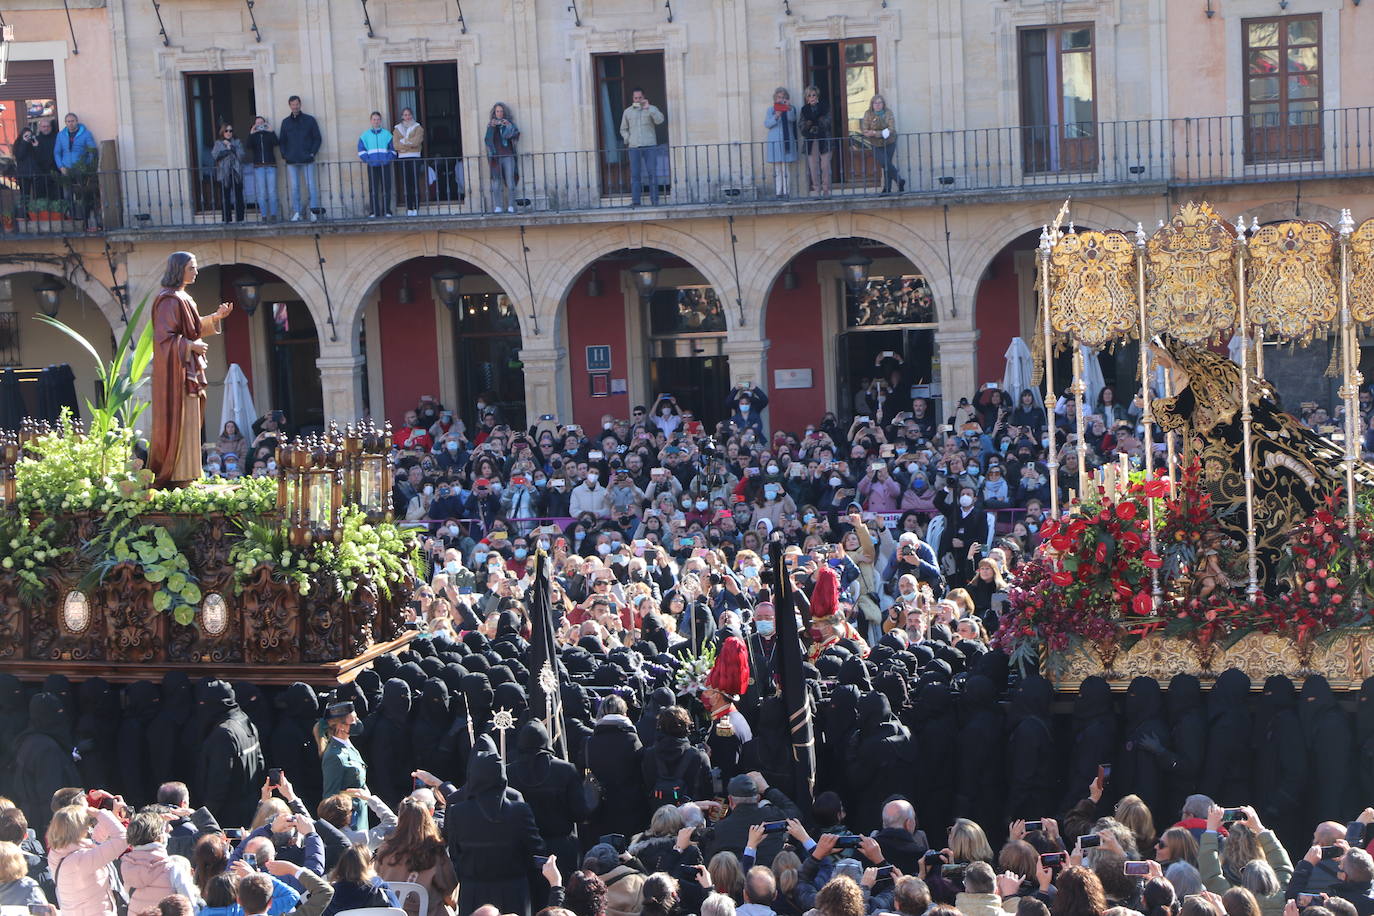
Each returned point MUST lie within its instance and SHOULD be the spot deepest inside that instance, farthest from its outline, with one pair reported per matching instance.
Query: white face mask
(835, 481)
(772, 469)
(592, 476)
(452, 567)
(603, 549)
(701, 505)
(966, 501)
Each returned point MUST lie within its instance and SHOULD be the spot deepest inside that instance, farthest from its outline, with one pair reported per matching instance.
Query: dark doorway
(687, 351)
(295, 349)
(213, 100)
(846, 73)
(617, 76)
(431, 91)
(486, 339)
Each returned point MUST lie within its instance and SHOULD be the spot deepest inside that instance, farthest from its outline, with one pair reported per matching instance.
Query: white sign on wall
(791, 378)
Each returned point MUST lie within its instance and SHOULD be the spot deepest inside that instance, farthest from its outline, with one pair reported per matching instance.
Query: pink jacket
(880, 495)
(82, 871)
(150, 874)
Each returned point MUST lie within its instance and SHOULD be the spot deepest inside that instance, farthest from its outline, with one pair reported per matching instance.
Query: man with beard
(229, 767)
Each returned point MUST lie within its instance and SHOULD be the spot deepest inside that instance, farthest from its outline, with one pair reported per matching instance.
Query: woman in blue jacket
(377, 153)
(781, 148)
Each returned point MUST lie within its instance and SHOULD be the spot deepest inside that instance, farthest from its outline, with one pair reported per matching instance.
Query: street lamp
(645, 275)
(249, 293)
(447, 282)
(856, 271)
(49, 292)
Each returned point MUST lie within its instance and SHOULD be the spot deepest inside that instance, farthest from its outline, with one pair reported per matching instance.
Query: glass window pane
(1078, 91)
(1264, 88)
(1303, 31)
(1262, 34)
(1264, 115)
(860, 84)
(858, 52)
(1265, 62)
(1076, 39)
(890, 300)
(1033, 41)
(685, 310)
(1304, 114)
(1302, 58)
(1303, 87)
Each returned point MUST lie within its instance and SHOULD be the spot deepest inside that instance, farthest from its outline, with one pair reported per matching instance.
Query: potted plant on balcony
(47, 213)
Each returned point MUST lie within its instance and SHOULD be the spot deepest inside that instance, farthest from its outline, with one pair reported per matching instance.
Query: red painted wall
(406, 336)
(237, 345)
(793, 327)
(998, 317)
(593, 321)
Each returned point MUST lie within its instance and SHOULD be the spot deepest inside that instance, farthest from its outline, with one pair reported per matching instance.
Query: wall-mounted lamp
(856, 271)
(249, 293)
(404, 295)
(447, 282)
(49, 293)
(645, 275)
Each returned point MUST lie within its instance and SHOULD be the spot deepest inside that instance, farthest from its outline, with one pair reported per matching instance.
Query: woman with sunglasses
(229, 157)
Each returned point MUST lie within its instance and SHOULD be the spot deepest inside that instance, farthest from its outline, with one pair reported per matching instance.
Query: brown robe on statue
(178, 406)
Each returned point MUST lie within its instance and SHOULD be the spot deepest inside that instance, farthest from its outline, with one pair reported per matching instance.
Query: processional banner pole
(1048, 341)
(1147, 417)
(1350, 387)
(1080, 423)
(1246, 419)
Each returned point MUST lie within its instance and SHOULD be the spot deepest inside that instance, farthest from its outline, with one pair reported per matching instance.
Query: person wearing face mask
(450, 452)
(877, 489)
(772, 504)
(747, 404)
(521, 499)
(482, 507)
(763, 658)
(590, 496)
(697, 510)
(966, 524)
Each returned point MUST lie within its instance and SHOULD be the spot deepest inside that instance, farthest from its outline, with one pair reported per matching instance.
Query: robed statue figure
(178, 405)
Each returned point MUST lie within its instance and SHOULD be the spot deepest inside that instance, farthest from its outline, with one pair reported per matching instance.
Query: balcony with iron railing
(1125, 157)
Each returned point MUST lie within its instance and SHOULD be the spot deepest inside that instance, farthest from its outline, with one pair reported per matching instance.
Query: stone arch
(359, 280)
(300, 276)
(77, 276)
(563, 269)
(1288, 209)
(763, 265)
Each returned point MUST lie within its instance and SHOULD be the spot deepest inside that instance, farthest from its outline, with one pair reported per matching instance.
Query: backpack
(671, 788)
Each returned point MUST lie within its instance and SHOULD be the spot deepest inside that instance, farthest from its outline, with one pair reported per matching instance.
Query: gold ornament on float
(1362, 273)
(1291, 283)
(1092, 278)
(1190, 276)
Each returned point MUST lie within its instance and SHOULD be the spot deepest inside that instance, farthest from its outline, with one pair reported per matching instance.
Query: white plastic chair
(406, 889)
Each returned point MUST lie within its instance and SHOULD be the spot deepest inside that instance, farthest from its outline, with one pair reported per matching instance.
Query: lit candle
(1125, 481)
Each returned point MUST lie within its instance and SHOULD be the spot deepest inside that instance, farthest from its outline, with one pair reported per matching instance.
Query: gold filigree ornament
(1190, 276)
(1290, 281)
(1362, 273)
(1092, 280)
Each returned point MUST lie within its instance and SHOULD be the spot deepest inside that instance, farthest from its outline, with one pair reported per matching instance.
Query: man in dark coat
(391, 760)
(43, 760)
(1280, 759)
(1030, 752)
(978, 794)
(292, 746)
(966, 524)
(1326, 735)
(674, 762)
(902, 843)
(613, 754)
(1226, 764)
(492, 836)
(752, 801)
(1141, 765)
(553, 789)
(229, 766)
(1094, 740)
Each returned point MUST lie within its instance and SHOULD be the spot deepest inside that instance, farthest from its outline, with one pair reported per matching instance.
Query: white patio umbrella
(1020, 368)
(238, 402)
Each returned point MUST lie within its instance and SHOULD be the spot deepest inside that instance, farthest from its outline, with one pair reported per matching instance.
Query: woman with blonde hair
(16, 887)
(817, 128)
(1132, 811)
(655, 846)
(727, 875)
(269, 809)
(1176, 845)
(968, 843)
(879, 128)
(1252, 858)
(414, 851)
(85, 840)
(794, 896)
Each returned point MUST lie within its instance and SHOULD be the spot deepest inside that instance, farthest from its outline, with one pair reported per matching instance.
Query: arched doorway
(842, 315)
(643, 323)
(442, 327)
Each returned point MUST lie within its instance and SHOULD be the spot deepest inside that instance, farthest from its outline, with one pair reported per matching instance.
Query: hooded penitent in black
(391, 760)
(1094, 740)
(293, 747)
(1186, 741)
(837, 721)
(1326, 735)
(614, 755)
(881, 760)
(553, 789)
(493, 837)
(1227, 763)
(43, 760)
(1030, 764)
(141, 700)
(14, 718)
(171, 746)
(431, 726)
(97, 727)
(1138, 769)
(1364, 738)
(1280, 759)
(934, 720)
(980, 783)
(229, 765)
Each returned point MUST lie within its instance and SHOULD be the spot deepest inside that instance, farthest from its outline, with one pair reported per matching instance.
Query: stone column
(546, 388)
(958, 351)
(341, 383)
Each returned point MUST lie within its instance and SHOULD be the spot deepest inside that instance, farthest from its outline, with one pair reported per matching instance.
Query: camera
(1137, 869)
(1089, 841)
(774, 826)
(848, 841)
(1332, 852)
(1032, 826)
(1231, 815)
(953, 872)
(1052, 859)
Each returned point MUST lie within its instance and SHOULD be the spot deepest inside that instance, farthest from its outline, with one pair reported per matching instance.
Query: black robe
(171, 746)
(1094, 741)
(1227, 763)
(391, 760)
(613, 754)
(882, 761)
(429, 732)
(980, 788)
(1186, 740)
(14, 718)
(97, 730)
(934, 723)
(1030, 760)
(1280, 759)
(292, 745)
(1137, 769)
(1364, 738)
(141, 702)
(492, 837)
(1326, 735)
(43, 760)
(229, 764)
(553, 789)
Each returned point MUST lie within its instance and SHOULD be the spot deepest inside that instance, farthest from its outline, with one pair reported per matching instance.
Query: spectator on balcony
(879, 127)
(33, 160)
(639, 129)
(377, 153)
(300, 143)
(817, 129)
(229, 156)
(409, 138)
(781, 148)
(262, 147)
(505, 173)
(75, 152)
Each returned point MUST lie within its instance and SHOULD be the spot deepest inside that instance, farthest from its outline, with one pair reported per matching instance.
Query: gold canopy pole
(1350, 389)
(1246, 420)
(1079, 386)
(1147, 417)
(1048, 340)
(1259, 352)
